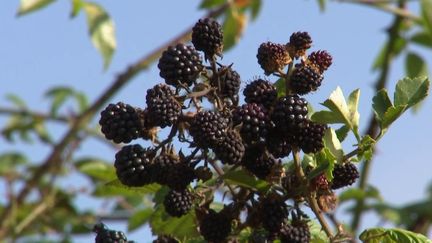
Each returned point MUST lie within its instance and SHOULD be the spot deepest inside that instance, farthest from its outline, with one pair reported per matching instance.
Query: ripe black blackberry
(178, 203)
(305, 79)
(292, 185)
(180, 64)
(299, 43)
(207, 36)
(227, 83)
(179, 176)
(105, 235)
(215, 227)
(255, 122)
(344, 175)
(134, 165)
(298, 232)
(162, 164)
(321, 59)
(165, 239)
(273, 212)
(208, 128)
(231, 149)
(121, 122)
(261, 92)
(290, 113)
(257, 161)
(311, 137)
(162, 108)
(272, 57)
(277, 144)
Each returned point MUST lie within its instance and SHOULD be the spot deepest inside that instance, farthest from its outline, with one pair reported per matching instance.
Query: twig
(34, 114)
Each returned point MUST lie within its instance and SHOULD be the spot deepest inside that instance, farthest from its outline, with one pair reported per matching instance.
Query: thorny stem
(287, 77)
(34, 114)
(220, 172)
(55, 158)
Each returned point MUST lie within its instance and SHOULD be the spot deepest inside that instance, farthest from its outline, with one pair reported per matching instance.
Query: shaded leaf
(139, 218)
(325, 162)
(411, 91)
(325, 117)
(359, 194)
(378, 235)
(280, 87)
(233, 27)
(116, 188)
(16, 100)
(10, 160)
(211, 3)
(333, 144)
(422, 38)
(365, 148)
(381, 103)
(426, 9)
(342, 133)
(29, 6)
(77, 5)
(182, 228)
(391, 115)
(242, 178)
(322, 5)
(41, 131)
(59, 96)
(255, 7)
(415, 65)
(82, 101)
(398, 47)
(96, 168)
(101, 30)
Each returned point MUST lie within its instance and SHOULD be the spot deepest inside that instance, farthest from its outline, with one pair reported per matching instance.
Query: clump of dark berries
(178, 203)
(299, 43)
(207, 36)
(180, 64)
(215, 227)
(208, 128)
(105, 235)
(260, 92)
(297, 232)
(311, 137)
(179, 176)
(255, 122)
(231, 149)
(272, 57)
(259, 162)
(321, 59)
(273, 212)
(162, 108)
(165, 239)
(277, 144)
(228, 83)
(344, 175)
(290, 113)
(121, 122)
(134, 165)
(162, 165)
(305, 79)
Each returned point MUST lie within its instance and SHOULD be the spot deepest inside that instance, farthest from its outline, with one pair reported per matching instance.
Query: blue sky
(48, 49)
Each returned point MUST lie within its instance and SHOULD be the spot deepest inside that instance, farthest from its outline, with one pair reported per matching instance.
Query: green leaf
(280, 87)
(59, 96)
(391, 115)
(317, 234)
(139, 218)
(255, 7)
(380, 59)
(342, 133)
(115, 188)
(181, 228)
(10, 160)
(411, 91)
(322, 5)
(381, 235)
(233, 27)
(42, 132)
(326, 117)
(426, 8)
(77, 5)
(16, 100)
(365, 148)
(359, 194)
(96, 168)
(415, 65)
(82, 101)
(353, 102)
(101, 30)
(337, 104)
(28, 6)
(333, 144)
(242, 178)
(422, 38)
(381, 103)
(206, 4)
(325, 160)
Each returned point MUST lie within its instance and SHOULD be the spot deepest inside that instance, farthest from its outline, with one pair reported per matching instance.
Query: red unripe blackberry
(344, 175)
(162, 164)
(273, 212)
(261, 92)
(311, 137)
(162, 108)
(305, 79)
(165, 239)
(290, 113)
(298, 232)
(255, 122)
(180, 64)
(277, 144)
(215, 227)
(179, 176)
(208, 128)
(228, 83)
(319, 182)
(231, 149)
(134, 165)
(178, 203)
(121, 122)
(105, 235)
(272, 57)
(321, 59)
(299, 43)
(207, 36)
(258, 162)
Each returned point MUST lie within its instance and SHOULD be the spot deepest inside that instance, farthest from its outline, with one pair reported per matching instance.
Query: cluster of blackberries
(105, 235)
(253, 136)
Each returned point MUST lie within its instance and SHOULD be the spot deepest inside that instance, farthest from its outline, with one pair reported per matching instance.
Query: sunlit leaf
(116, 188)
(332, 143)
(77, 5)
(379, 235)
(411, 91)
(28, 6)
(318, 235)
(391, 115)
(342, 133)
(353, 102)
(96, 168)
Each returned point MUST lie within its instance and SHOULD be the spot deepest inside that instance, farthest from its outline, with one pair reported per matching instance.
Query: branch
(36, 115)
(54, 159)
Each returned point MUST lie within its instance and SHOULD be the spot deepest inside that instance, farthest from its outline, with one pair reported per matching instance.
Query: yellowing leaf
(28, 6)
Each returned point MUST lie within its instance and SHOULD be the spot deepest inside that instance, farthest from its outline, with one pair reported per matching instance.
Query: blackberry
(261, 92)
(165, 239)
(231, 149)
(311, 137)
(255, 122)
(180, 64)
(273, 212)
(321, 59)
(179, 176)
(208, 128)
(299, 43)
(207, 36)
(319, 183)
(162, 164)
(278, 145)
(228, 83)
(178, 203)
(272, 57)
(292, 185)
(163, 108)
(344, 175)
(134, 165)
(290, 113)
(105, 235)
(258, 162)
(120, 122)
(298, 232)
(305, 79)
(215, 227)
